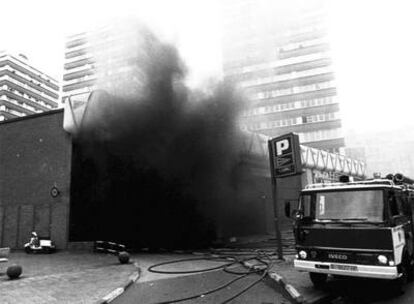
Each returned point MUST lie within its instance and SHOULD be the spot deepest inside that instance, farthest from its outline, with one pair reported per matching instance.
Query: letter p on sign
(282, 146)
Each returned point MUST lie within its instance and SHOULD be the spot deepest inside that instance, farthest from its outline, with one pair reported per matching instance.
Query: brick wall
(35, 155)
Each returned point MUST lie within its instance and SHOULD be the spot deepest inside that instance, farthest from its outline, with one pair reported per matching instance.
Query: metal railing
(331, 162)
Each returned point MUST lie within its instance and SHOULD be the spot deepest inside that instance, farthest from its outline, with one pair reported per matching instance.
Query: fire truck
(356, 229)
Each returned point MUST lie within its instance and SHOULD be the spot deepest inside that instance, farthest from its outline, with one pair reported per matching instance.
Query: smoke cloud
(155, 163)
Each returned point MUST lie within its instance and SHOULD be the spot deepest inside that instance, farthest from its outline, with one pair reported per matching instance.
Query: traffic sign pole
(275, 207)
(285, 160)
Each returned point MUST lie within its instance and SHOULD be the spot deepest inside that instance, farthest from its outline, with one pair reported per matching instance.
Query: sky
(373, 55)
(38, 28)
(371, 41)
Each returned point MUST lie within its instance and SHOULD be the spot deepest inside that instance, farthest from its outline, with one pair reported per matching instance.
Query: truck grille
(363, 258)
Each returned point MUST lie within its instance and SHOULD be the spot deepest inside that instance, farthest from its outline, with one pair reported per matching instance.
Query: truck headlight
(382, 259)
(303, 254)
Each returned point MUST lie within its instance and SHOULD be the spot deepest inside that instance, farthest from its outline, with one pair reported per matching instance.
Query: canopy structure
(331, 162)
(312, 158)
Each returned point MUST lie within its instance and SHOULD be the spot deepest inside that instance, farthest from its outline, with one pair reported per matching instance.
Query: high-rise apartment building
(24, 90)
(281, 57)
(79, 66)
(101, 58)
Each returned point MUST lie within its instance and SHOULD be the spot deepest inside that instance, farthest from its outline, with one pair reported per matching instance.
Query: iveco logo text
(337, 256)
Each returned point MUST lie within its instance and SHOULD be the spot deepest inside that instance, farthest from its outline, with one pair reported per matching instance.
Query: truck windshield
(362, 205)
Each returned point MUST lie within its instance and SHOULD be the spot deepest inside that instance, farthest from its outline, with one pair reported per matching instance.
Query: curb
(295, 295)
(292, 291)
(120, 290)
(279, 280)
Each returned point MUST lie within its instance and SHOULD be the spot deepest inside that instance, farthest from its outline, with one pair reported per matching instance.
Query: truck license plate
(344, 267)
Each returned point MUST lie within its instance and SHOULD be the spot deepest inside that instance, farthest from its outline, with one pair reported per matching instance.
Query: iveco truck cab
(356, 229)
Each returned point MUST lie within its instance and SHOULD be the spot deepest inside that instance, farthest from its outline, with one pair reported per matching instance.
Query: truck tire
(318, 279)
(399, 285)
(410, 270)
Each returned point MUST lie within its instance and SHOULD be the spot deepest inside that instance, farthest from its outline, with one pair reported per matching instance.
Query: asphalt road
(356, 291)
(150, 292)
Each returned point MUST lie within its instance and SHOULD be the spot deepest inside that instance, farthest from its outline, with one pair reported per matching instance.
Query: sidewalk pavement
(62, 277)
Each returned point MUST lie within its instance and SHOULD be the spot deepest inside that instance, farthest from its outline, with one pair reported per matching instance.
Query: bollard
(14, 271)
(123, 257)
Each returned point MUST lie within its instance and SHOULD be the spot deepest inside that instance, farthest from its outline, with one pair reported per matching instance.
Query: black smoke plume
(155, 163)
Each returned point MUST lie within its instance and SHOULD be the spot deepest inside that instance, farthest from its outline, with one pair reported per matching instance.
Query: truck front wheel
(318, 279)
(399, 284)
(410, 270)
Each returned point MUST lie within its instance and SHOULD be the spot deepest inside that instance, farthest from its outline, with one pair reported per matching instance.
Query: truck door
(404, 218)
(304, 216)
(407, 211)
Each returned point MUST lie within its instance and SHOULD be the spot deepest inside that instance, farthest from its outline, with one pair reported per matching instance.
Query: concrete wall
(35, 155)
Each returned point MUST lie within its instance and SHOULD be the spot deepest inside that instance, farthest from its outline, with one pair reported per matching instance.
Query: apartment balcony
(302, 128)
(16, 106)
(79, 85)
(278, 63)
(19, 64)
(22, 99)
(81, 90)
(303, 44)
(80, 72)
(7, 115)
(78, 58)
(27, 82)
(28, 92)
(282, 70)
(88, 77)
(293, 112)
(304, 51)
(307, 34)
(286, 77)
(29, 73)
(291, 97)
(78, 63)
(76, 42)
(76, 53)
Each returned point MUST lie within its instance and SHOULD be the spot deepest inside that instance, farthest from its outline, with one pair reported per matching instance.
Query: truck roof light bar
(367, 182)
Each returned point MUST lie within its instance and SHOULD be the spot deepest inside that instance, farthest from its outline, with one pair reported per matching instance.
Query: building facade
(102, 58)
(79, 66)
(281, 57)
(35, 157)
(24, 90)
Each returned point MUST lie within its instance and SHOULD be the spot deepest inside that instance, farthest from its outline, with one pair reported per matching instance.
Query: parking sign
(284, 153)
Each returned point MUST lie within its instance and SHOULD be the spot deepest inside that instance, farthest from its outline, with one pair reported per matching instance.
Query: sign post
(284, 156)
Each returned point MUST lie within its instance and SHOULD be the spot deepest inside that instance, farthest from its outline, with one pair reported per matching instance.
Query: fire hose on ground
(262, 257)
